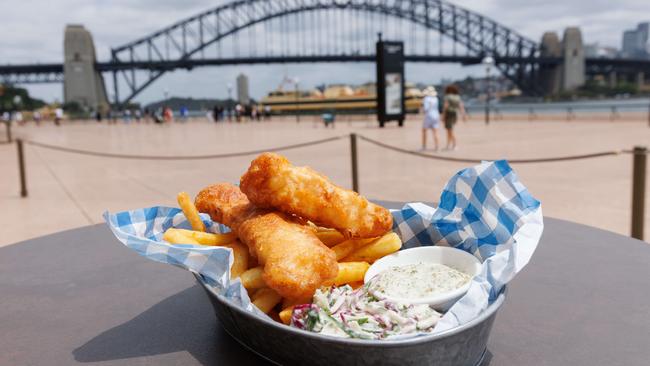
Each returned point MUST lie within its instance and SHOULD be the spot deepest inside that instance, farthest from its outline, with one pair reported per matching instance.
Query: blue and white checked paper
(484, 210)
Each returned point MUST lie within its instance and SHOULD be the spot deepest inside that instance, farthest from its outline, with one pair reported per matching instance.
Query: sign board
(390, 82)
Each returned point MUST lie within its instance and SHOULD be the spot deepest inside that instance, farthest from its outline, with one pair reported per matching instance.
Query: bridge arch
(514, 53)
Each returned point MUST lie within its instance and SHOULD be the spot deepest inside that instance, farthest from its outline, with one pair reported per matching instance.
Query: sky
(32, 32)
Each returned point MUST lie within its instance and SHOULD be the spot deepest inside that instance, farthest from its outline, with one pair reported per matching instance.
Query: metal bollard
(9, 131)
(355, 170)
(638, 190)
(21, 168)
(614, 114)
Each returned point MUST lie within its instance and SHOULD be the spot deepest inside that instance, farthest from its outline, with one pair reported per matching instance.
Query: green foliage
(595, 89)
(9, 100)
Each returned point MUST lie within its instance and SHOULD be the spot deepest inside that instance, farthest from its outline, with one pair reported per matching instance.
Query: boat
(335, 98)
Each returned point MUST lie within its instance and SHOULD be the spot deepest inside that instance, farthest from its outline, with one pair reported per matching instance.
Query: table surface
(80, 296)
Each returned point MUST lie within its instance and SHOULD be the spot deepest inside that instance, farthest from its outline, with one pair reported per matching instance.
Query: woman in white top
(431, 116)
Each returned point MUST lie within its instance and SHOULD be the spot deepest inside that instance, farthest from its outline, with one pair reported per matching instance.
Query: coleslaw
(345, 312)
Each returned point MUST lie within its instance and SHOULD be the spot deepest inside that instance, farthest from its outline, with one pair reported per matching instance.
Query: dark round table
(80, 296)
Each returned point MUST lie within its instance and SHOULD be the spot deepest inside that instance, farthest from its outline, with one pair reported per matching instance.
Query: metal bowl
(465, 345)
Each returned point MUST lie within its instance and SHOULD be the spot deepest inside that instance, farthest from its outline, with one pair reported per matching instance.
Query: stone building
(82, 83)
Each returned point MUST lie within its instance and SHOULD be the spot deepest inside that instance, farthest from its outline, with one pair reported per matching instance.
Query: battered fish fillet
(272, 182)
(295, 262)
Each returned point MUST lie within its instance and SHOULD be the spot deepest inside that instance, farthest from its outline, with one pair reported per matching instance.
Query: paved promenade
(68, 190)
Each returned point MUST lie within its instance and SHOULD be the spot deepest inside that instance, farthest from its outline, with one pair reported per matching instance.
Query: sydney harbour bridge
(310, 31)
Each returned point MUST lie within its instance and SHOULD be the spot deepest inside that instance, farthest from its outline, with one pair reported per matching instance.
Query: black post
(638, 191)
(8, 131)
(297, 103)
(355, 170)
(21, 168)
(487, 99)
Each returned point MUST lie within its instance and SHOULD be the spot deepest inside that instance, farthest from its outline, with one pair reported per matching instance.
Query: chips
(265, 299)
(190, 211)
(387, 244)
(285, 315)
(252, 278)
(174, 236)
(345, 248)
(240, 262)
(354, 256)
(197, 237)
(351, 272)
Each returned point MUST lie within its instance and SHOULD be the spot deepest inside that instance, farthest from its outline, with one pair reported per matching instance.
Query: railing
(639, 154)
(564, 111)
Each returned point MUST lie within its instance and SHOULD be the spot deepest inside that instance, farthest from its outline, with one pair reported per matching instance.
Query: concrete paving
(68, 190)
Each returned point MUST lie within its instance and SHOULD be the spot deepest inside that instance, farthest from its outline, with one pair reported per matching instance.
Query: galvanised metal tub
(278, 343)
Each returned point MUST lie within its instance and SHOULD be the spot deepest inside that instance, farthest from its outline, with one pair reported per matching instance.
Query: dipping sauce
(414, 281)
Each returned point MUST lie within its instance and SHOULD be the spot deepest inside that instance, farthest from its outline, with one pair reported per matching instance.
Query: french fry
(252, 278)
(387, 244)
(240, 263)
(206, 238)
(265, 299)
(176, 237)
(330, 237)
(351, 272)
(345, 248)
(285, 315)
(190, 211)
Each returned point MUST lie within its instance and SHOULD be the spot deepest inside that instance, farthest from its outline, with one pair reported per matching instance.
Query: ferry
(340, 98)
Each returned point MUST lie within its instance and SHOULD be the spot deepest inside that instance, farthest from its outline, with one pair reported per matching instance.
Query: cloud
(33, 32)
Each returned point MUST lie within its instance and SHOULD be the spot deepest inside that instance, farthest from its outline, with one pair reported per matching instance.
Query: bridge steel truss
(516, 56)
(31, 74)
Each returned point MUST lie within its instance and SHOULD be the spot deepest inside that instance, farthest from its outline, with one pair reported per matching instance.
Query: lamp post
(488, 61)
(295, 82)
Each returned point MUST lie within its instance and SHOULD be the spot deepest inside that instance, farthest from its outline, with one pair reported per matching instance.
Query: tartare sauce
(414, 281)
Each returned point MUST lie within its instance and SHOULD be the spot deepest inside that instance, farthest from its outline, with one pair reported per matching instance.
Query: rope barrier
(478, 161)
(322, 141)
(638, 186)
(193, 157)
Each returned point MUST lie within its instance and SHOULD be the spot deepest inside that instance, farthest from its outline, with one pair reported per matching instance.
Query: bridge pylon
(82, 83)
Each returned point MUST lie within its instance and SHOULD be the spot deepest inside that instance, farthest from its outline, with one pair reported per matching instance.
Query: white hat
(430, 90)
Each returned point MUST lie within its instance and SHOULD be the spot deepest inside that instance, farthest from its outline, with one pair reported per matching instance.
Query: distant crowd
(165, 114)
(37, 116)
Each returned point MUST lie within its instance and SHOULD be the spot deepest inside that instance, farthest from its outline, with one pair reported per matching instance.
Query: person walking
(431, 117)
(126, 116)
(37, 117)
(58, 116)
(452, 108)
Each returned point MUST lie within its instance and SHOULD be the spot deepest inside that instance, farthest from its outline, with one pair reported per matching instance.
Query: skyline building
(242, 89)
(636, 42)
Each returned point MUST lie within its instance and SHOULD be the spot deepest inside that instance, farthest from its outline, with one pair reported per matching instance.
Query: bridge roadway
(593, 64)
